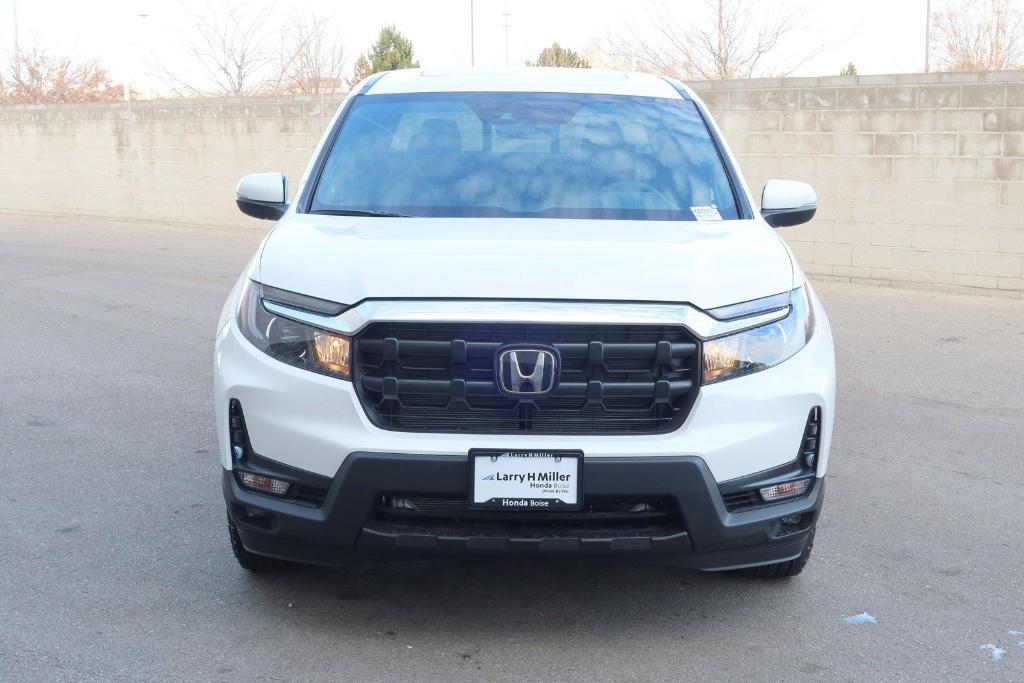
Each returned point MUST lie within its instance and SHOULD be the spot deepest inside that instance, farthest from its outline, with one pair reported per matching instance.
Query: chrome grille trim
(695, 320)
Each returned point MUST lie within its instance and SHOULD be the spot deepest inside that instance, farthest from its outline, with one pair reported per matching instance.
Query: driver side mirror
(263, 195)
(787, 202)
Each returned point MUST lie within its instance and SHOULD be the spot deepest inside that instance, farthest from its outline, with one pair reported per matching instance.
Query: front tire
(781, 570)
(259, 564)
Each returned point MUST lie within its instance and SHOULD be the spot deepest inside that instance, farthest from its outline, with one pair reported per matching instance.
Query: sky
(879, 36)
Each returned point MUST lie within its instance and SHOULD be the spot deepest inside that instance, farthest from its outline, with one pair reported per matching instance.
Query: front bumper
(314, 422)
(703, 535)
(737, 430)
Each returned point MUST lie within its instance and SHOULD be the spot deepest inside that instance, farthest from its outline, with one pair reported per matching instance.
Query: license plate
(525, 480)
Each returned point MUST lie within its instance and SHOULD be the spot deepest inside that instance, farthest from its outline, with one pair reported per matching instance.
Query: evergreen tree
(556, 55)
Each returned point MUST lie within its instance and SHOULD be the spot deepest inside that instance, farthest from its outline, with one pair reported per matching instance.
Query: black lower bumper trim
(705, 534)
(387, 540)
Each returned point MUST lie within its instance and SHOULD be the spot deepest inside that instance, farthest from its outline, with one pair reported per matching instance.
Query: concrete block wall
(920, 177)
(171, 161)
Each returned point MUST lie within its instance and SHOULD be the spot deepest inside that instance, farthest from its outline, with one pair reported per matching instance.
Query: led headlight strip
(761, 347)
(289, 340)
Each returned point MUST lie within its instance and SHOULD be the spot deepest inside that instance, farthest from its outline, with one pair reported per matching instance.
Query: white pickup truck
(530, 311)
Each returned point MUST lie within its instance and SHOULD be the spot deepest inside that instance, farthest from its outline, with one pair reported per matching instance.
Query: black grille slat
(440, 377)
(429, 387)
(663, 390)
(415, 354)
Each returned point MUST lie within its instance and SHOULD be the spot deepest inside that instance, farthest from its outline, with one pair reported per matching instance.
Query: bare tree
(732, 40)
(980, 35)
(36, 76)
(232, 46)
(312, 58)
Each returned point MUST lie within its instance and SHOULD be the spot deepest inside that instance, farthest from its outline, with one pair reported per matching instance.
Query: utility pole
(506, 15)
(472, 36)
(719, 59)
(14, 12)
(927, 35)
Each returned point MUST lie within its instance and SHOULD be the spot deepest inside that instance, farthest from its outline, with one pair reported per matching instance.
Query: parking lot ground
(114, 559)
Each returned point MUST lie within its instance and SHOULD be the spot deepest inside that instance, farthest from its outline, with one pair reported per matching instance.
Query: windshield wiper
(358, 212)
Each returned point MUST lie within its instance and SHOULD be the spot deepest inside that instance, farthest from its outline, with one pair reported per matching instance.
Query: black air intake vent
(594, 508)
(240, 447)
(812, 435)
(742, 500)
(612, 379)
(600, 515)
(309, 495)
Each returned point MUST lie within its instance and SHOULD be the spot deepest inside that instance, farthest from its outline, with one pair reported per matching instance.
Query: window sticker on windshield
(706, 213)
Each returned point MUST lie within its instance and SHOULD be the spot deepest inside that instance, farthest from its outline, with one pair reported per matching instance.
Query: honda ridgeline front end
(530, 312)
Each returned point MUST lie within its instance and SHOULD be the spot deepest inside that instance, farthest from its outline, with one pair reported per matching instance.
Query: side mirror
(787, 202)
(263, 195)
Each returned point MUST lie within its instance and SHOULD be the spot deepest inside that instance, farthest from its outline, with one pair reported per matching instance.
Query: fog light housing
(789, 489)
(402, 504)
(263, 483)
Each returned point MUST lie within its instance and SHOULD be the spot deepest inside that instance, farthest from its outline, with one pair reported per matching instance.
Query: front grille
(600, 516)
(440, 377)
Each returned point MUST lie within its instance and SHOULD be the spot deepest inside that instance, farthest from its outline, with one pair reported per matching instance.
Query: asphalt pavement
(114, 557)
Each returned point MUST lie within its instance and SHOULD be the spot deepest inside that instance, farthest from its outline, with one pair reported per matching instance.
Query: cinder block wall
(920, 177)
(172, 161)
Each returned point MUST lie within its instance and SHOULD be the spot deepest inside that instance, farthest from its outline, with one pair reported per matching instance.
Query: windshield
(525, 155)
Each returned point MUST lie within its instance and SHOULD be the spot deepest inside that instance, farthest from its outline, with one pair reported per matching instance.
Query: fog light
(258, 482)
(789, 489)
(403, 504)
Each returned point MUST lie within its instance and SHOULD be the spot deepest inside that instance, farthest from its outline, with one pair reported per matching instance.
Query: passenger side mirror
(263, 195)
(787, 202)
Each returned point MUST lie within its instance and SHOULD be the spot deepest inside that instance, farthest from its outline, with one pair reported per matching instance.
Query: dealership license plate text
(526, 479)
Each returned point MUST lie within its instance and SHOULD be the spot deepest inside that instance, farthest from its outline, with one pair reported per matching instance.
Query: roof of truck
(590, 81)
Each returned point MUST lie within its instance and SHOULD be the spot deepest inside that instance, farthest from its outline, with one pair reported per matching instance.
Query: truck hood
(348, 259)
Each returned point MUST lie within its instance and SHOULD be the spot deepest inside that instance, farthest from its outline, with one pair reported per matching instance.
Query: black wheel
(260, 564)
(781, 570)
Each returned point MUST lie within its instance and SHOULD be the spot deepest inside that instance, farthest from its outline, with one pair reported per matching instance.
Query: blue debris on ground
(862, 618)
(994, 650)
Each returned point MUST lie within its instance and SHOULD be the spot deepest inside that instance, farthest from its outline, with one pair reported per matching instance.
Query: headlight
(289, 341)
(761, 347)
